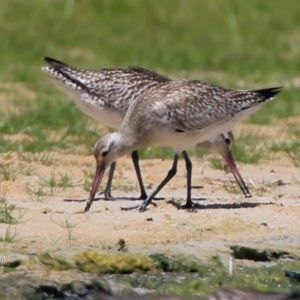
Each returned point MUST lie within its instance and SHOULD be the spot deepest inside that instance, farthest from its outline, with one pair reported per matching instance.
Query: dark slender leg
(170, 175)
(147, 201)
(135, 160)
(189, 203)
(188, 165)
(107, 192)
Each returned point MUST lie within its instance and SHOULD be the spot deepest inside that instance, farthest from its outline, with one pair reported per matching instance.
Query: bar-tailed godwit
(117, 89)
(105, 95)
(178, 114)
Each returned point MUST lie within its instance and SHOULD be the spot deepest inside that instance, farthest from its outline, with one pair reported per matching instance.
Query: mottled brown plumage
(177, 114)
(106, 95)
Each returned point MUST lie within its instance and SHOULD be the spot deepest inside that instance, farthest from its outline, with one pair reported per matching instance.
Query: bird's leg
(107, 191)
(135, 160)
(172, 172)
(189, 166)
(189, 203)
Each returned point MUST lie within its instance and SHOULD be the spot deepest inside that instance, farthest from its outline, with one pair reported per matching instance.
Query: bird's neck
(125, 143)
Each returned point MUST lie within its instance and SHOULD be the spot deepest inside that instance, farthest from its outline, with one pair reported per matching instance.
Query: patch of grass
(179, 264)
(10, 172)
(46, 158)
(7, 156)
(26, 169)
(292, 149)
(69, 226)
(6, 211)
(49, 133)
(96, 263)
(89, 175)
(36, 194)
(217, 163)
(250, 148)
(53, 262)
(121, 185)
(10, 236)
(66, 223)
(249, 155)
(294, 158)
(56, 185)
(283, 106)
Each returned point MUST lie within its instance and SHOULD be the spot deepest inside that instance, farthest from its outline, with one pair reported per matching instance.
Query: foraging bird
(105, 95)
(222, 145)
(117, 89)
(178, 114)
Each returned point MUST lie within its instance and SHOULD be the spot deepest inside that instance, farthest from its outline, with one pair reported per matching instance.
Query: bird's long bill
(238, 177)
(97, 180)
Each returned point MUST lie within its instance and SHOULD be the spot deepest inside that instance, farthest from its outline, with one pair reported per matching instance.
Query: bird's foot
(107, 195)
(141, 207)
(188, 206)
(145, 196)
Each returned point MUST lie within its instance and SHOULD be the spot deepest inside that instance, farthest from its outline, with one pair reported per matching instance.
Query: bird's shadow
(129, 198)
(114, 199)
(235, 205)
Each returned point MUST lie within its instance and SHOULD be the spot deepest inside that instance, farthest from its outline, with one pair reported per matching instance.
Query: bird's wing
(190, 105)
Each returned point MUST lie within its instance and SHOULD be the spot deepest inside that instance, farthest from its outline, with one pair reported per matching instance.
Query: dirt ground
(224, 219)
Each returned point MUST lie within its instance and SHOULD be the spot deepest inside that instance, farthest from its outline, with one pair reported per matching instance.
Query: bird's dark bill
(238, 177)
(97, 180)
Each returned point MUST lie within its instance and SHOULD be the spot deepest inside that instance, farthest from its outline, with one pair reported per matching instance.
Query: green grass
(7, 214)
(251, 44)
(46, 159)
(56, 183)
(89, 174)
(290, 147)
(36, 194)
(69, 226)
(10, 172)
(217, 163)
(11, 236)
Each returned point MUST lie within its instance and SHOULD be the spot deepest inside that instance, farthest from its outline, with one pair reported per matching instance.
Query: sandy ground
(224, 219)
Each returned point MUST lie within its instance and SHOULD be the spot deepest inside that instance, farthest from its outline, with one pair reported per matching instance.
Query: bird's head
(106, 151)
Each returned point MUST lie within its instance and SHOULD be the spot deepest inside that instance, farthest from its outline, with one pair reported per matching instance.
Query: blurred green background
(234, 43)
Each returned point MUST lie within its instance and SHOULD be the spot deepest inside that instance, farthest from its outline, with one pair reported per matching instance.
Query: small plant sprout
(6, 211)
(69, 226)
(10, 236)
(36, 194)
(57, 184)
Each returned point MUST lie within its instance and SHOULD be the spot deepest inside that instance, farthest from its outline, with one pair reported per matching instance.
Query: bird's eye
(227, 141)
(104, 153)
